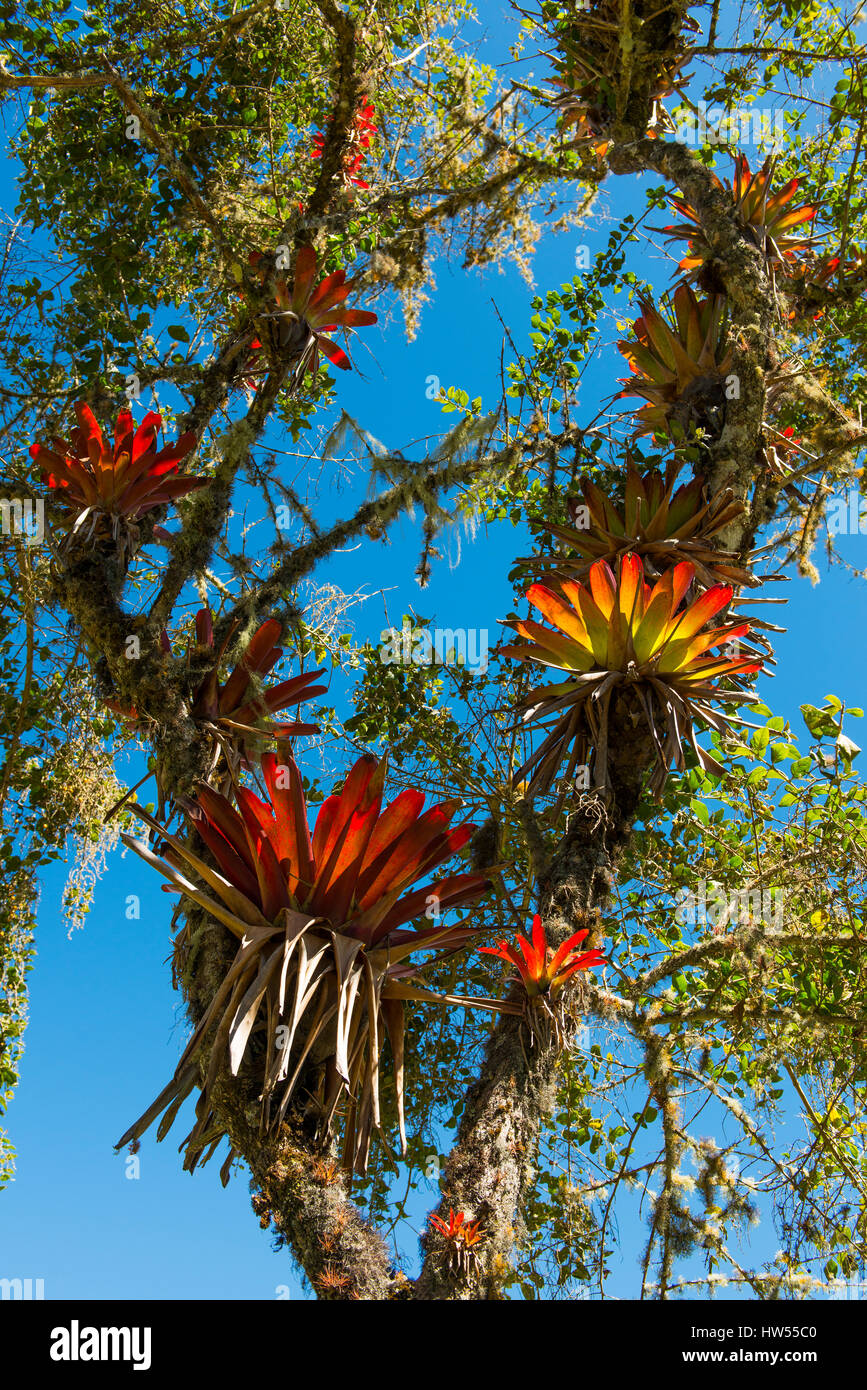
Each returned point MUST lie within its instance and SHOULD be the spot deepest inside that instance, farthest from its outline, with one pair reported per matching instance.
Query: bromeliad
(680, 364)
(767, 218)
(779, 447)
(655, 522)
(818, 282)
(322, 967)
(242, 704)
(620, 635)
(541, 969)
(591, 71)
(114, 486)
(295, 332)
(461, 1238)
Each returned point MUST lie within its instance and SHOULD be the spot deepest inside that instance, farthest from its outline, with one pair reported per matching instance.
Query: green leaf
(818, 721)
(847, 747)
(779, 751)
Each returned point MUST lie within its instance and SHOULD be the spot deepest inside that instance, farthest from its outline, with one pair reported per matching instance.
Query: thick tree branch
(300, 1191)
(492, 1167)
(56, 81)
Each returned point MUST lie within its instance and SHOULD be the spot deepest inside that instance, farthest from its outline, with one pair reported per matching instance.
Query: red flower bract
(237, 702)
(356, 866)
(460, 1236)
(358, 139)
(321, 919)
(125, 481)
(456, 1229)
(541, 969)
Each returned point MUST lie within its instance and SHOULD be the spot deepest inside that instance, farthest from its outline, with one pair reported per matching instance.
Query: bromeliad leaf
(114, 485)
(323, 960)
(660, 524)
(646, 642)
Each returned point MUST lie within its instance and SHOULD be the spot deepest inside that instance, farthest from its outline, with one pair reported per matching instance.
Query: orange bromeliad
(766, 216)
(619, 634)
(461, 1237)
(541, 969)
(322, 967)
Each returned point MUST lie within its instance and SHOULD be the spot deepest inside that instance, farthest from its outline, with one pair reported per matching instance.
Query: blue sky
(105, 1025)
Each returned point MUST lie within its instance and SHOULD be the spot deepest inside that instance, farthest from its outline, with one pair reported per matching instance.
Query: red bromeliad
(766, 216)
(119, 483)
(819, 281)
(779, 448)
(322, 966)
(541, 969)
(297, 329)
(455, 1229)
(461, 1238)
(239, 703)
